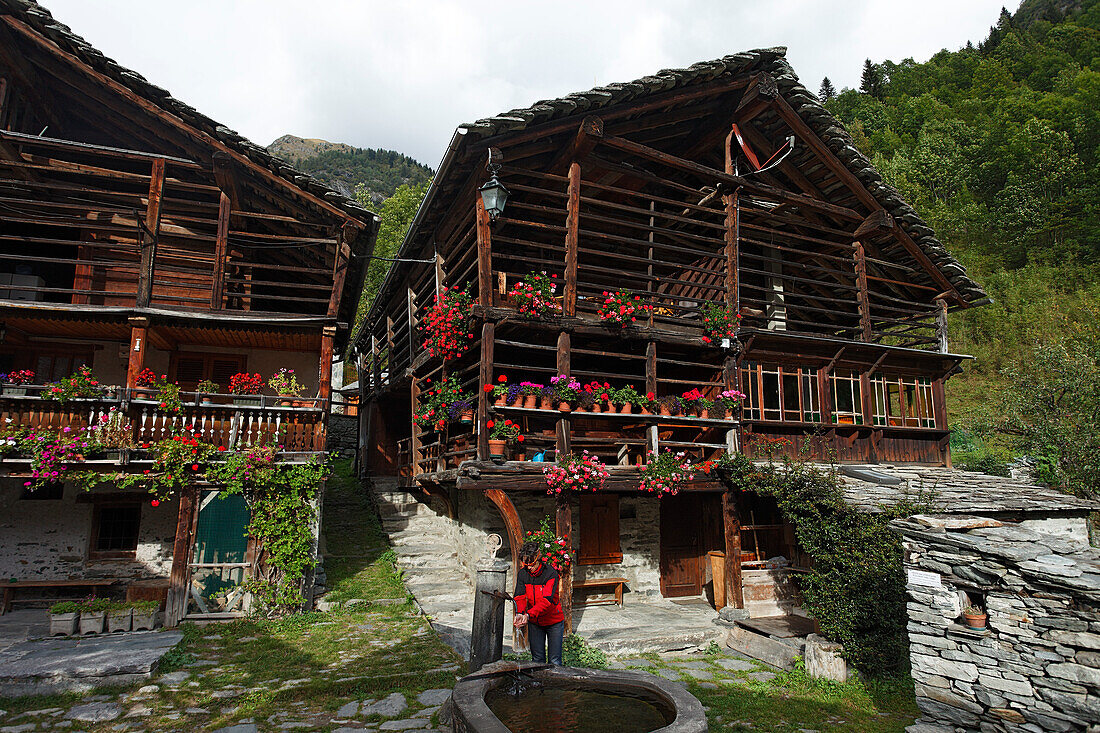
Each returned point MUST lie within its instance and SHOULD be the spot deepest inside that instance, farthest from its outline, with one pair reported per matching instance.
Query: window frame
(915, 403)
(851, 380)
(806, 385)
(93, 535)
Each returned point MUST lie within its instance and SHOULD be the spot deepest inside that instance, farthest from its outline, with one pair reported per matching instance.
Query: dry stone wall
(1036, 666)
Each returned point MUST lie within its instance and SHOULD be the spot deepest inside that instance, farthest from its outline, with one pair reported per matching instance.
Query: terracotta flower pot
(665, 412)
(581, 408)
(466, 416)
(627, 408)
(496, 448)
(500, 402)
(703, 414)
(286, 400)
(520, 456)
(564, 406)
(545, 403)
(646, 411)
(530, 401)
(975, 620)
(596, 407)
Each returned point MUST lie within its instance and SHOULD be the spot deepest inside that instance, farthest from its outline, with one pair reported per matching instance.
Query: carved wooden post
(941, 324)
(484, 254)
(221, 245)
(139, 336)
(324, 383)
(485, 374)
(731, 523)
(864, 299)
(572, 227)
(179, 583)
(564, 527)
(149, 235)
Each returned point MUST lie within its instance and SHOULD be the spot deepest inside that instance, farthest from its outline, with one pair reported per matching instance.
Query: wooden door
(682, 545)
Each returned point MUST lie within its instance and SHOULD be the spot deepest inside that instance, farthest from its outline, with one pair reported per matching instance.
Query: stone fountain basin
(471, 714)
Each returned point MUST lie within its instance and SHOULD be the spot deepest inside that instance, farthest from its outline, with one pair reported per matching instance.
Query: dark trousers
(538, 637)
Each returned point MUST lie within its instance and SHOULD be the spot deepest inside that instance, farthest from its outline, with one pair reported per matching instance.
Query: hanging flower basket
(585, 472)
(666, 473)
(446, 324)
(622, 308)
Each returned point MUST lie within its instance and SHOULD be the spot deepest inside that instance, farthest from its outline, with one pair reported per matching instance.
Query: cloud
(403, 75)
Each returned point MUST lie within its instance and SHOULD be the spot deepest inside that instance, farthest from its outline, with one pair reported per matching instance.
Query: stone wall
(1036, 667)
(343, 434)
(47, 539)
(639, 532)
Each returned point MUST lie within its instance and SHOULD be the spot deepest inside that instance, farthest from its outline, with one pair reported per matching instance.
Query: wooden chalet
(135, 232)
(644, 186)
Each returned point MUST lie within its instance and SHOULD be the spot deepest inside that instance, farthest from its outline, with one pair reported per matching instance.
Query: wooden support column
(651, 386)
(484, 254)
(324, 384)
(941, 324)
(414, 439)
(731, 524)
(411, 298)
(863, 297)
(731, 373)
(149, 235)
(139, 337)
(562, 443)
(340, 267)
(221, 247)
(572, 237)
(939, 409)
(732, 236)
(564, 527)
(179, 582)
(485, 374)
(440, 273)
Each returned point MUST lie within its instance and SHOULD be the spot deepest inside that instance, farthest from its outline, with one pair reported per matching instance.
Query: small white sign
(923, 577)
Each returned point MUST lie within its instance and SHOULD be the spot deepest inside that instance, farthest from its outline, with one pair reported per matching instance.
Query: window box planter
(119, 619)
(11, 390)
(247, 400)
(92, 622)
(63, 624)
(144, 619)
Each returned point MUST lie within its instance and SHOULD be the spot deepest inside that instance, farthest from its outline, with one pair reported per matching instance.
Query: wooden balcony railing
(299, 428)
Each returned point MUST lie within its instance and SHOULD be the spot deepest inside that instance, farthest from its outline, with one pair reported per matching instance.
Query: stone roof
(1031, 555)
(801, 99)
(40, 19)
(958, 492)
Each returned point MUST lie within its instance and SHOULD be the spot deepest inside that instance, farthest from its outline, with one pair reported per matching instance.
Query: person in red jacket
(538, 605)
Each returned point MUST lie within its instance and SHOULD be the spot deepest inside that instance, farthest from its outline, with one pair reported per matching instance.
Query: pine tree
(827, 90)
(871, 80)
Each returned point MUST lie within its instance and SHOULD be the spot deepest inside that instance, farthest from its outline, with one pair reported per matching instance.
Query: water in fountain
(549, 708)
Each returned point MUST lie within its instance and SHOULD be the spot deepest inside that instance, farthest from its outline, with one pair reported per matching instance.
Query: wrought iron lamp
(493, 193)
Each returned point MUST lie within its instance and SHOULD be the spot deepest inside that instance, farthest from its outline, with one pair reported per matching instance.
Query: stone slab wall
(343, 434)
(47, 539)
(1037, 665)
(639, 533)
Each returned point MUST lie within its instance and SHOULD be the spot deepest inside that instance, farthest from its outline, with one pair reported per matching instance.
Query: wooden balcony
(214, 418)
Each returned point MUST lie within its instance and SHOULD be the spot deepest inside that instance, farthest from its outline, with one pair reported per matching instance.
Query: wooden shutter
(599, 530)
(222, 368)
(190, 369)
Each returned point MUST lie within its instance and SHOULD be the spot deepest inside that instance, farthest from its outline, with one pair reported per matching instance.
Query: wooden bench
(609, 584)
(10, 587)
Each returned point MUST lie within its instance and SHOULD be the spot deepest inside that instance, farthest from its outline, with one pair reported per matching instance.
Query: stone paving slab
(77, 664)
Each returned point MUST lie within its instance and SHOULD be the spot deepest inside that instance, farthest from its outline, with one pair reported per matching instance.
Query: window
(599, 530)
(190, 369)
(775, 392)
(903, 402)
(847, 397)
(115, 530)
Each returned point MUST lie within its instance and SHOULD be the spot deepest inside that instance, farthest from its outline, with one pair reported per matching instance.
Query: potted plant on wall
(93, 615)
(625, 398)
(729, 401)
(15, 382)
(669, 405)
(621, 308)
(119, 616)
(719, 324)
(206, 388)
(531, 393)
(63, 618)
(499, 391)
(975, 616)
(80, 385)
(666, 473)
(111, 435)
(584, 472)
(144, 384)
(245, 389)
(446, 324)
(144, 614)
(285, 384)
(565, 391)
(534, 295)
(501, 434)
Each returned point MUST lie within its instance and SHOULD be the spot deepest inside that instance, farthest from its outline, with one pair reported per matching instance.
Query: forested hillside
(370, 174)
(998, 146)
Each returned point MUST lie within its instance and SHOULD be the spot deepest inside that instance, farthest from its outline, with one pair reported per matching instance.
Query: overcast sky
(403, 74)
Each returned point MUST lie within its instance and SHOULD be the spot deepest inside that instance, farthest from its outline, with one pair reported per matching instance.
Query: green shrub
(94, 605)
(65, 607)
(144, 606)
(575, 652)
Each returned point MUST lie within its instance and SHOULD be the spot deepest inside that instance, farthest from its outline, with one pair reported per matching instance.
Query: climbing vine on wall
(856, 587)
(282, 501)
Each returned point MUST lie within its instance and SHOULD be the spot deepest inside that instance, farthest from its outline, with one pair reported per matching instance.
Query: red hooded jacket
(537, 595)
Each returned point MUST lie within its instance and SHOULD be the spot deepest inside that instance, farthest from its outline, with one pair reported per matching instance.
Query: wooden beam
(179, 582)
(149, 234)
(227, 182)
(876, 223)
(563, 432)
(864, 306)
(732, 236)
(731, 525)
(941, 324)
(485, 375)
(217, 289)
(572, 226)
(484, 254)
(340, 270)
(139, 337)
(716, 176)
(563, 522)
(588, 134)
(101, 79)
